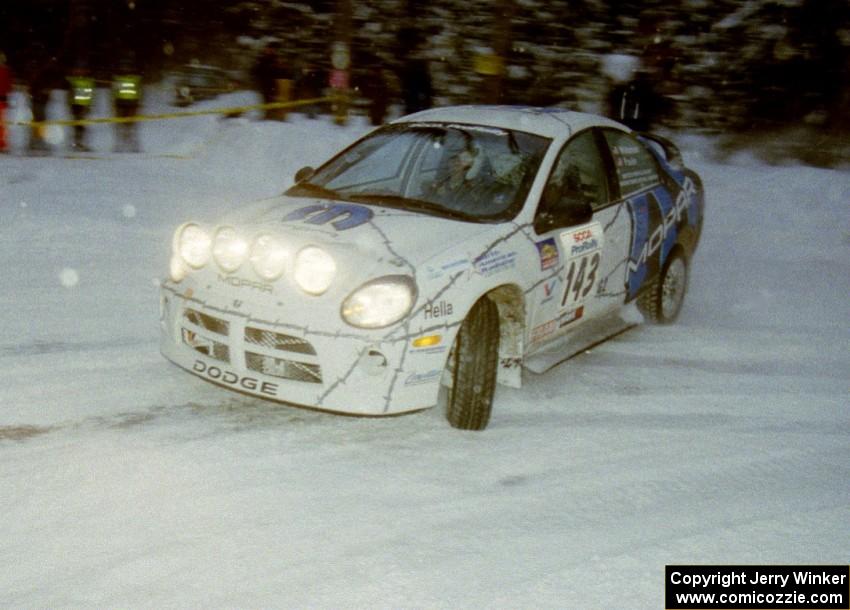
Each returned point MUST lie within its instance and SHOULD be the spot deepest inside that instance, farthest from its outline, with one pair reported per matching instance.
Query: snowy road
(125, 482)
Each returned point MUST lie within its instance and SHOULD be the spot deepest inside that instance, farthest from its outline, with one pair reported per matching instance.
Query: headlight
(192, 243)
(177, 269)
(380, 302)
(268, 257)
(229, 249)
(314, 270)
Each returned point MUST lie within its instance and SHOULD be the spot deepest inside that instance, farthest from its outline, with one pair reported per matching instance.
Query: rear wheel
(472, 365)
(662, 301)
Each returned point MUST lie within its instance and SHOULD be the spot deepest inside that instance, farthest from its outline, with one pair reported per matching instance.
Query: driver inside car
(465, 181)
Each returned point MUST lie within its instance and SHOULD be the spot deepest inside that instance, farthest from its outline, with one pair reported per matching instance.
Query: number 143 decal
(582, 252)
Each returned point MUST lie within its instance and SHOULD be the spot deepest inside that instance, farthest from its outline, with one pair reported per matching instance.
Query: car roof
(551, 122)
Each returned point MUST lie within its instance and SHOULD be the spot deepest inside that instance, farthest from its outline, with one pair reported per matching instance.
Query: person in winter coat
(376, 91)
(416, 85)
(5, 91)
(126, 97)
(41, 75)
(637, 104)
(308, 86)
(272, 79)
(80, 96)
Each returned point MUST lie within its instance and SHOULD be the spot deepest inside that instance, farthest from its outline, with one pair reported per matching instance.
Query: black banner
(690, 587)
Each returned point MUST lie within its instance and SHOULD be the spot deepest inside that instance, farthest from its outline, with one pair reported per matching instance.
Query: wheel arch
(510, 301)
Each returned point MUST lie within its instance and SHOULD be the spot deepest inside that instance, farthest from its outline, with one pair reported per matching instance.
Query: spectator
(5, 90)
(126, 97)
(272, 79)
(308, 86)
(637, 103)
(41, 76)
(375, 90)
(80, 96)
(416, 85)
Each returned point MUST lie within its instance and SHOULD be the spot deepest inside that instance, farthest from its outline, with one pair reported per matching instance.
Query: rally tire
(473, 363)
(662, 299)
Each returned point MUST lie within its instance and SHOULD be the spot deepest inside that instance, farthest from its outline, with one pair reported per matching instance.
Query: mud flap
(509, 372)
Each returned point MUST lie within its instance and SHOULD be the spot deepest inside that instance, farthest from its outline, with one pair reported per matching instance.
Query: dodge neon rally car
(453, 247)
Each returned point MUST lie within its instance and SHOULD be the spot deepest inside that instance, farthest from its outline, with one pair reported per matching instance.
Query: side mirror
(305, 173)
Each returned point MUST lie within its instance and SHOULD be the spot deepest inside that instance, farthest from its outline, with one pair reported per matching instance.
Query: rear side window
(635, 166)
(579, 176)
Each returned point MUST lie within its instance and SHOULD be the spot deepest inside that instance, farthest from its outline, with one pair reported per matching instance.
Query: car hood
(367, 240)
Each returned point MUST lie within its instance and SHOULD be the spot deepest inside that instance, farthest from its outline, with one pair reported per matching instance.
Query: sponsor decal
(656, 217)
(441, 309)
(423, 378)
(341, 216)
(434, 272)
(584, 246)
(570, 317)
(220, 375)
(238, 282)
(541, 332)
(495, 261)
(548, 252)
(549, 290)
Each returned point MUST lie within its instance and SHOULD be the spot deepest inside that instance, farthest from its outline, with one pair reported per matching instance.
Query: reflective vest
(82, 90)
(127, 87)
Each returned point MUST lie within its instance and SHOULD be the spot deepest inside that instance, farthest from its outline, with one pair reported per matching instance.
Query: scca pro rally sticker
(582, 252)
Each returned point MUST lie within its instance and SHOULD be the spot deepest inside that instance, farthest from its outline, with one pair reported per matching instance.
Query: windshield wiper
(308, 188)
(406, 203)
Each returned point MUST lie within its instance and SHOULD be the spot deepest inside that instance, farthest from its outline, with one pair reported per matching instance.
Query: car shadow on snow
(23, 433)
(231, 415)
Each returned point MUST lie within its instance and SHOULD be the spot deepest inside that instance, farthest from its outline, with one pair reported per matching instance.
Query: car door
(583, 239)
(648, 203)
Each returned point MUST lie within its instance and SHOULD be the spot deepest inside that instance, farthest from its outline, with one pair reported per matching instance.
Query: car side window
(634, 165)
(578, 177)
(379, 161)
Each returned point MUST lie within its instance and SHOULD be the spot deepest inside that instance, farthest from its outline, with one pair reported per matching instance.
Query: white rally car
(453, 247)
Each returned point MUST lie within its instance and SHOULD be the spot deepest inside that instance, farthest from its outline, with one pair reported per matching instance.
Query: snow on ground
(125, 482)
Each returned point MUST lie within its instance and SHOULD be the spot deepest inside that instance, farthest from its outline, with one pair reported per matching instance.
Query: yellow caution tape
(174, 115)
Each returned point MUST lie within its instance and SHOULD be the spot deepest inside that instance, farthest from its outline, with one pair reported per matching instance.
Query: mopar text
(671, 220)
(238, 282)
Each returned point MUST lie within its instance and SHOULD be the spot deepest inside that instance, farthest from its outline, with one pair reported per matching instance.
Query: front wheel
(662, 301)
(472, 365)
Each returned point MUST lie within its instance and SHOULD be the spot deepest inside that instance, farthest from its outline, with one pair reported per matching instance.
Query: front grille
(284, 369)
(207, 322)
(206, 346)
(278, 341)
(201, 332)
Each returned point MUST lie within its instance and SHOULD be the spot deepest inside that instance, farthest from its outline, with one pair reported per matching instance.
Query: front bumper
(333, 370)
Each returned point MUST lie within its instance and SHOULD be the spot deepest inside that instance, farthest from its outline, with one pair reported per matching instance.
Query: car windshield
(458, 171)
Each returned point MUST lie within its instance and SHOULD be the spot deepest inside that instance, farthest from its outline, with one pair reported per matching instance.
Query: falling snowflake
(69, 277)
